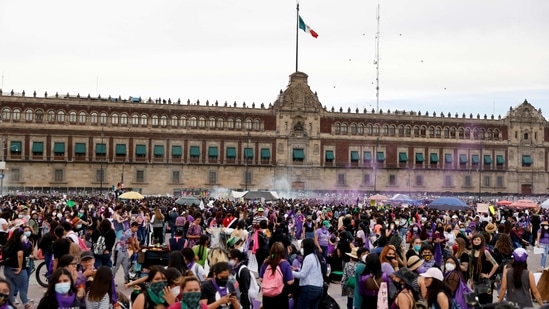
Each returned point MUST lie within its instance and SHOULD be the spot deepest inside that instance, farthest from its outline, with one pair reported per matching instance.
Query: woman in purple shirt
(276, 259)
(543, 241)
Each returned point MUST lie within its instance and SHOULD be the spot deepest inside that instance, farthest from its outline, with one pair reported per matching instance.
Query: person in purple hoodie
(299, 219)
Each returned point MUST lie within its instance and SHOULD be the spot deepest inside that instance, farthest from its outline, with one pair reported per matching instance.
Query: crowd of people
(412, 255)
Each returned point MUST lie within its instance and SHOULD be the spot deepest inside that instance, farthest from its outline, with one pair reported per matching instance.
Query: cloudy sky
(442, 56)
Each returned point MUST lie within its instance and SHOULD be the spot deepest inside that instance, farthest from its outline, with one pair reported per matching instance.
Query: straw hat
(353, 253)
(414, 262)
(490, 228)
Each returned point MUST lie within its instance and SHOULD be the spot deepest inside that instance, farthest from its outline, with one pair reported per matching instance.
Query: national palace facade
(68, 142)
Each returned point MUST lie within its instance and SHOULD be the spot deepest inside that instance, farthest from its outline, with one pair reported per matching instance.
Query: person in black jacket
(238, 261)
(105, 230)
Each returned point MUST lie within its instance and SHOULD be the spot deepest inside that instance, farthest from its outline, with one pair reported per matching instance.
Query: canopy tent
(448, 203)
(258, 195)
(545, 204)
(238, 194)
(378, 198)
(524, 204)
(504, 203)
(401, 197)
(131, 195)
(187, 200)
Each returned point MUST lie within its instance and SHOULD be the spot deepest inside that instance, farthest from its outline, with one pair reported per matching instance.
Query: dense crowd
(297, 247)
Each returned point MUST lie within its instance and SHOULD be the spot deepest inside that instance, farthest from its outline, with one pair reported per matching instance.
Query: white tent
(237, 194)
(545, 204)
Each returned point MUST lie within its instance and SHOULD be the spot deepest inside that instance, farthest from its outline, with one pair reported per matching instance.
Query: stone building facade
(78, 143)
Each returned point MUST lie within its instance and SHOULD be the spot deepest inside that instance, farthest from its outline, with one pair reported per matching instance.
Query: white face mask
(301, 250)
(363, 258)
(449, 266)
(546, 227)
(176, 291)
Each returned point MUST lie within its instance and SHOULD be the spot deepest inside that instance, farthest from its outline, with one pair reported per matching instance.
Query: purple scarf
(65, 301)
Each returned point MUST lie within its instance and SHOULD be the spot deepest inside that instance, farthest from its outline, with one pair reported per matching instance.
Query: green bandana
(156, 292)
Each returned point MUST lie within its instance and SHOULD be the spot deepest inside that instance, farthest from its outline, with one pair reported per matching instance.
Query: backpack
(459, 296)
(253, 291)
(99, 246)
(272, 283)
(263, 242)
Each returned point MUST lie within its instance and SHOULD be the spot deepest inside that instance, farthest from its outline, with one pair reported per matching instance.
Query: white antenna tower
(376, 61)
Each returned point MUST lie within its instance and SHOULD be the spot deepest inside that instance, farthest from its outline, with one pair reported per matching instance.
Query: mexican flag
(303, 26)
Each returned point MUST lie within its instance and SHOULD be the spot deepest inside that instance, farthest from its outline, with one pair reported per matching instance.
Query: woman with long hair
(238, 261)
(194, 232)
(453, 274)
(310, 277)
(15, 270)
(483, 267)
(438, 293)
(414, 248)
(390, 261)
(201, 249)
(5, 292)
(108, 235)
(219, 292)
(153, 296)
(176, 260)
(518, 282)
(276, 259)
(190, 295)
(542, 241)
(100, 293)
(192, 265)
(462, 255)
(70, 263)
(157, 222)
(372, 283)
(61, 292)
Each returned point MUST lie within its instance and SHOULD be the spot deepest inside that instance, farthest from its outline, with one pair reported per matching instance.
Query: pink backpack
(272, 283)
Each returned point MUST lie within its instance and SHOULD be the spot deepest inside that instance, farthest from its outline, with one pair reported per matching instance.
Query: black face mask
(221, 281)
(476, 247)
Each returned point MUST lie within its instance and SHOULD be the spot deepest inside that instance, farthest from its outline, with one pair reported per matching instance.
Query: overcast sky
(442, 56)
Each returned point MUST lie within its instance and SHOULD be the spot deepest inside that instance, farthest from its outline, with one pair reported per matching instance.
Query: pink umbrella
(524, 204)
(504, 203)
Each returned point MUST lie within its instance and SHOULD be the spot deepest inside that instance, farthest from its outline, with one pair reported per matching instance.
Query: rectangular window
(120, 150)
(194, 152)
(354, 156)
(475, 160)
(392, 180)
(367, 156)
(231, 153)
(100, 149)
(37, 148)
(500, 160)
(402, 157)
(433, 158)
(448, 158)
(213, 153)
(80, 149)
(380, 156)
(419, 180)
(298, 155)
(468, 181)
(59, 149)
(158, 151)
(15, 175)
(487, 160)
(58, 175)
(366, 179)
(140, 176)
(176, 152)
(329, 156)
(175, 177)
(463, 159)
(100, 175)
(499, 181)
(15, 147)
(140, 151)
(526, 161)
(419, 158)
(448, 180)
(265, 153)
(341, 179)
(212, 177)
(486, 181)
(248, 177)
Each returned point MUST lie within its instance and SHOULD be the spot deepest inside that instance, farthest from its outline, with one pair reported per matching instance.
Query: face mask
(301, 251)
(427, 257)
(476, 247)
(390, 258)
(191, 299)
(59, 216)
(27, 233)
(20, 216)
(221, 282)
(364, 258)
(3, 299)
(176, 291)
(62, 288)
(546, 227)
(417, 247)
(415, 229)
(449, 266)
(155, 291)
(448, 230)
(79, 226)
(462, 230)
(54, 214)
(80, 215)
(232, 263)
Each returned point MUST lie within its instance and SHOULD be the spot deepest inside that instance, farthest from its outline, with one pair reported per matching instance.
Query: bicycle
(43, 274)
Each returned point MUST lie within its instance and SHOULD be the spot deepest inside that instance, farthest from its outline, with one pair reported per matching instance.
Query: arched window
(248, 124)
(192, 122)
(408, 131)
(230, 123)
(416, 131)
(467, 133)
(154, 120)
(385, 130)
(39, 115)
(211, 123)
(369, 129)
(143, 120)
(376, 129)
(431, 132)
(103, 118)
(72, 117)
(489, 134)
(422, 131)
(124, 119)
(495, 135)
(238, 124)
(337, 128)
(135, 119)
(201, 122)
(446, 132)
(61, 116)
(452, 132)
(29, 115)
(16, 114)
(173, 121)
(353, 128)
(481, 134)
(220, 123)
(391, 130)
(400, 130)
(114, 119)
(163, 120)
(256, 124)
(6, 114)
(343, 128)
(183, 121)
(437, 132)
(360, 130)
(82, 118)
(475, 133)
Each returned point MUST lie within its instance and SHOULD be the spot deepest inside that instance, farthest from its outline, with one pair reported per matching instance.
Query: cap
(520, 255)
(86, 255)
(260, 209)
(433, 272)
(414, 262)
(326, 223)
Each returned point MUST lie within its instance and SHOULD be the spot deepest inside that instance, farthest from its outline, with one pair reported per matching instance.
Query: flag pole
(297, 37)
